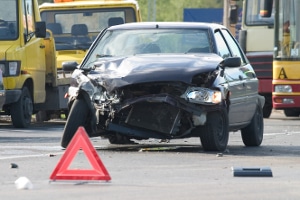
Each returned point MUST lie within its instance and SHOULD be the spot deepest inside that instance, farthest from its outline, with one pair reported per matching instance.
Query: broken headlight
(80, 81)
(202, 95)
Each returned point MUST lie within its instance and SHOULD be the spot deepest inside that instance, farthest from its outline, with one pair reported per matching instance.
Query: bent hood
(115, 73)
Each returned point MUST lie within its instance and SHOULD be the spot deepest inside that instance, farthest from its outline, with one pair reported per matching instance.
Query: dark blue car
(165, 80)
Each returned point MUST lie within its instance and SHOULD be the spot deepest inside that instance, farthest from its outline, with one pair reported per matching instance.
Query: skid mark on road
(14, 152)
(281, 133)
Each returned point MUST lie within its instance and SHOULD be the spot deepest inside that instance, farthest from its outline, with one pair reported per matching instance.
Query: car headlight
(2, 68)
(283, 88)
(202, 95)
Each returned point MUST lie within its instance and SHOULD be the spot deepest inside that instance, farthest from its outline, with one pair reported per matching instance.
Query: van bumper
(11, 96)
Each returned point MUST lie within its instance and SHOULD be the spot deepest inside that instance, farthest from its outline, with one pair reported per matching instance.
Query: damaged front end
(163, 110)
(160, 115)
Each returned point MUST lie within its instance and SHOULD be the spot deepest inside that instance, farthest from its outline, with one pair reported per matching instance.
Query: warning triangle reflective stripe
(80, 141)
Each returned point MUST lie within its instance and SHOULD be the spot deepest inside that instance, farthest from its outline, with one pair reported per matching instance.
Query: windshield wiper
(103, 55)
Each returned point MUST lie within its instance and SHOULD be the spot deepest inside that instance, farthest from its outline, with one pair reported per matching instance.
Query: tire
(267, 110)
(21, 111)
(252, 135)
(42, 116)
(77, 117)
(291, 113)
(116, 138)
(214, 134)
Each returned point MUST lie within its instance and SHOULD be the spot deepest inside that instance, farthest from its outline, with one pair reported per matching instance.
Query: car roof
(152, 25)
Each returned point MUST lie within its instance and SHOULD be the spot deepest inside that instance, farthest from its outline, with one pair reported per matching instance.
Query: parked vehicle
(256, 38)
(31, 79)
(286, 61)
(74, 24)
(165, 80)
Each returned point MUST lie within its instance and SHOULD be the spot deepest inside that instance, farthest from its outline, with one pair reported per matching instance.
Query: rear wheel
(116, 138)
(267, 110)
(77, 117)
(42, 116)
(21, 111)
(252, 134)
(291, 113)
(214, 134)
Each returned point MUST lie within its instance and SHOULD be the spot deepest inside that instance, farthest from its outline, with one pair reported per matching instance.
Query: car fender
(261, 100)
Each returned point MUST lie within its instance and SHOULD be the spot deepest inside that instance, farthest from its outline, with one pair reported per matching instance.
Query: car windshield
(77, 28)
(150, 41)
(253, 16)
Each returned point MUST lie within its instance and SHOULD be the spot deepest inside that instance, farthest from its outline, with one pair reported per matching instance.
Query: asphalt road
(153, 170)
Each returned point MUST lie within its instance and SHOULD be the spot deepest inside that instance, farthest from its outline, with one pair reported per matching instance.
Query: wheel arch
(29, 84)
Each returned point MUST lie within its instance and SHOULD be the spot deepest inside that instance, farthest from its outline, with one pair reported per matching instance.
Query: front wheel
(252, 135)
(77, 117)
(21, 111)
(214, 134)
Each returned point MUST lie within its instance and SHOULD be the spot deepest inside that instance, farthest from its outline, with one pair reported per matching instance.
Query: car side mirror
(266, 9)
(231, 62)
(69, 66)
(40, 29)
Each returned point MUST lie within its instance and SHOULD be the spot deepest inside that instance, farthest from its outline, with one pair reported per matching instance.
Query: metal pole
(225, 13)
(154, 11)
(149, 10)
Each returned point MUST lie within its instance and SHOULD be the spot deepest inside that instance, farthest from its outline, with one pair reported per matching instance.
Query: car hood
(115, 73)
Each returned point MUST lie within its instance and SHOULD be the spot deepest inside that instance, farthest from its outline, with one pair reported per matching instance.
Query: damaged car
(165, 80)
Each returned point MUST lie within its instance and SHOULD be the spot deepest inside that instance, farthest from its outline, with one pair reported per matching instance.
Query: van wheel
(267, 110)
(214, 134)
(252, 135)
(21, 111)
(42, 116)
(291, 113)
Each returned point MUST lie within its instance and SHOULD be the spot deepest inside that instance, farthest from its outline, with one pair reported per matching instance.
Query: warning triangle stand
(80, 141)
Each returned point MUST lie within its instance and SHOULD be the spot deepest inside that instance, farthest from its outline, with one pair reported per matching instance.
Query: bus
(286, 61)
(256, 37)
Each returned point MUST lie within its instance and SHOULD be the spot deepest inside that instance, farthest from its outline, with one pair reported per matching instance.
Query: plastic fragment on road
(252, 171)
(80, 141)
(23, 183)
(13, 165)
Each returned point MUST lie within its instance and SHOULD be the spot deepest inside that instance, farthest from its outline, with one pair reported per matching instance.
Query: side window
(28, 16)
(235, 50)
(222, 48)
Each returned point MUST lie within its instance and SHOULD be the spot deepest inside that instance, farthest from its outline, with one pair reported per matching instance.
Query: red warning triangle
(80, 141)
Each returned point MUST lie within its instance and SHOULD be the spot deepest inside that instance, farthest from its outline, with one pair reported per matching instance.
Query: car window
(222, 48)
(126, 42)
(236, 51)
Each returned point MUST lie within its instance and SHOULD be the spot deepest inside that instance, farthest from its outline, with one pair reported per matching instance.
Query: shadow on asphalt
(293, 151)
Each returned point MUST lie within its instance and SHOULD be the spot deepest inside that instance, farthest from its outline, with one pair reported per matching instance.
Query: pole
(225, 13)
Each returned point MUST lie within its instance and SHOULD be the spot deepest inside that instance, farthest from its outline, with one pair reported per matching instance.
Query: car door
(235, 80)
(246, 73)
(34, 52)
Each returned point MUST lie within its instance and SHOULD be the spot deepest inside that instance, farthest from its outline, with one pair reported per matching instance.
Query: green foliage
(172, 10)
